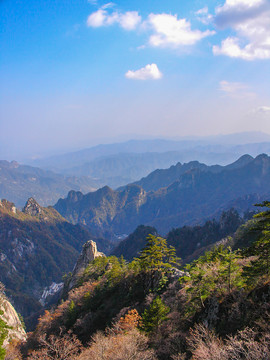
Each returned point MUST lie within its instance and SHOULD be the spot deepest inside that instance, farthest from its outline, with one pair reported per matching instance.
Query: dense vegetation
(216, 307)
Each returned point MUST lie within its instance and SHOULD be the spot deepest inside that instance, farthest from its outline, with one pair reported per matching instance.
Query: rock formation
(32, 207)
(88, 254)
(11, 318)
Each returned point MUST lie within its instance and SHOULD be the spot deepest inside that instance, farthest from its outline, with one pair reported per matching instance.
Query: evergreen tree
(156, 255)
(217, 271)
(154, 315)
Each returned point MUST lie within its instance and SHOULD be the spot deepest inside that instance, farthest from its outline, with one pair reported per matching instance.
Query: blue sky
(75, 73)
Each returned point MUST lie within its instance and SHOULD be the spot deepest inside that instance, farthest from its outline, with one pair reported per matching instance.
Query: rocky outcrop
(11, 318)
(88, 254)
(32, 207)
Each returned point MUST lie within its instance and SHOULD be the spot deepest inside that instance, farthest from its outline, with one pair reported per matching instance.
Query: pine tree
(156, 255)
(154, 315)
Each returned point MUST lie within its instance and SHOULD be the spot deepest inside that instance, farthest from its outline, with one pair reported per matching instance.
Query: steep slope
(37, 247)
(103, 207)
(195, 197)
(19, 182)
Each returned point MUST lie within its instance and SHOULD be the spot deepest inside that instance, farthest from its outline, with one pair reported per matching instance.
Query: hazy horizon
(77, 74)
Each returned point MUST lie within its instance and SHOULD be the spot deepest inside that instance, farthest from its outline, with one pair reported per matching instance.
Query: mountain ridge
(193, 198)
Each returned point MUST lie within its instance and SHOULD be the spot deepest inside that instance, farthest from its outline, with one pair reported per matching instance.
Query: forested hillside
(216, 307)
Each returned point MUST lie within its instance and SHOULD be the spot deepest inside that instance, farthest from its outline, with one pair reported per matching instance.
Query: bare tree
(65, 347)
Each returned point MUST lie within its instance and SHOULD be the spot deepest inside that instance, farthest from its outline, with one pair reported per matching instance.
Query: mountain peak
(74, 195)
(242, 161)
(261, 157)
(32, 207)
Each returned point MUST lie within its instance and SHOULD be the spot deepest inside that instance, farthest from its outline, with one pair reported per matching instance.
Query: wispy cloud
(204, 16)
(235, 89)
(250, 19)
(149, 72)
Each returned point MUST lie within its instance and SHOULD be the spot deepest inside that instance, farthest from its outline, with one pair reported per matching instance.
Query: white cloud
(149, 72)
(97, 18)
(250, 19)
(173, 32)
(167, 30)
(235, 89)
(128, 20)
(231, 48)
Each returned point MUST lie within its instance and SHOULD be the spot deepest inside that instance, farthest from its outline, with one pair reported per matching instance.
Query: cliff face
(11, 318)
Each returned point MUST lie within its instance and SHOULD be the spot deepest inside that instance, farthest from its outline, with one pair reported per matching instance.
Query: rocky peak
(74, 196)
(88, 254)
(32, 207)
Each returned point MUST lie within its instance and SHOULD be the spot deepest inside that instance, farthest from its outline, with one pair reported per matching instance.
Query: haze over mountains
(119, 164)
(228, 145)
(19, 182)
(196, 195)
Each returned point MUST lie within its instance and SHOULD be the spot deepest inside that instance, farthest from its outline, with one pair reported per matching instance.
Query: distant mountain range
(118, 164)
(19, 182)
(164, 177)
(231, 146)
(189, 197)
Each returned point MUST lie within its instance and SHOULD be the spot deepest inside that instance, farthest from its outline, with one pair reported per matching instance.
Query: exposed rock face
(88, 254)
(11, 317)
(32, 207)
